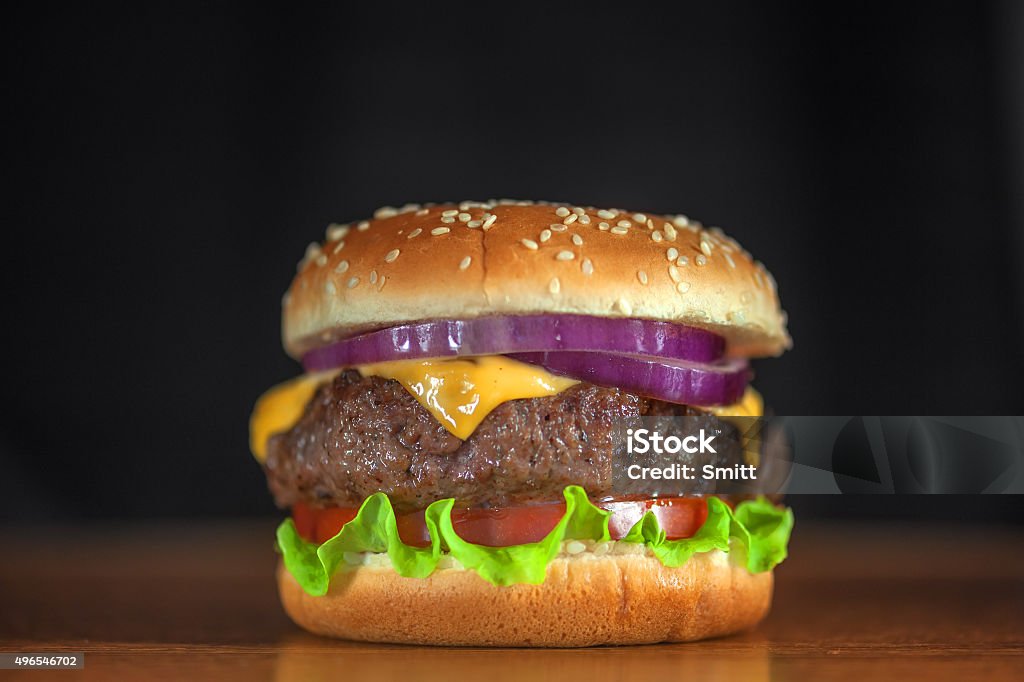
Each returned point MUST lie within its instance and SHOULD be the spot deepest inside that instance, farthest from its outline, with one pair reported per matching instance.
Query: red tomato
(679, 517)
(329, 521)
(507, 526)
(413, 529)
(304, 517)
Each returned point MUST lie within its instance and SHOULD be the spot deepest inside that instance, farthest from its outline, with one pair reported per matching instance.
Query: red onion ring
(501, 335)
(673, 381)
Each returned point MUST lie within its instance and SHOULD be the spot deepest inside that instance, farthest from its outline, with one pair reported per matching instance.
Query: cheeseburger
(448, 456)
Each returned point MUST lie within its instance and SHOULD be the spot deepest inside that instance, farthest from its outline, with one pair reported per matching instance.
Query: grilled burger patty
(360, 435)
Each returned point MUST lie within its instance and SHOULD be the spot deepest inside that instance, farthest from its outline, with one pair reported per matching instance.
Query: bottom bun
(586, 600)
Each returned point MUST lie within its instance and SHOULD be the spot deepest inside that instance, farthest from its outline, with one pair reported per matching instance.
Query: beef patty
(360, 435)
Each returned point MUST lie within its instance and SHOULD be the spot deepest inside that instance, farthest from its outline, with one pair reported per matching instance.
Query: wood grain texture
(198, 602)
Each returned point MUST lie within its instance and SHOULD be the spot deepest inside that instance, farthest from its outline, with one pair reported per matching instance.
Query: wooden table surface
(191, 602)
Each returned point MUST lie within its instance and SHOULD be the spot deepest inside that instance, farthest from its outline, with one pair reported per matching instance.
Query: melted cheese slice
(460, 392)
(280, 408)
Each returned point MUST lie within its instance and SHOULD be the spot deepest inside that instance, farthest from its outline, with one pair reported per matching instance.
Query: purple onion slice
(500, 335)
(673, 381)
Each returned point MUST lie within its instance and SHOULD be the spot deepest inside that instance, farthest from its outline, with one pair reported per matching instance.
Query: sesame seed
(577, 240)
(474, 223)
(450, 212)
(624, 223)
(423, 211)
(545, 235)
(683, 287)
(640, 218)
(656, 235)
(312, 251)
(464, 217)
(562, 212)
(642, 276)
(670, 232)
(624, 306)
(330, 288)
(587, 267)
(674, 273)
(440, 230)
(650, 224)
(385, 212)
(382, 280)
(336, 232)
(680, 221)
(341, 267)
(729, 260)
(373, 277)
(683, 260)
(672, 253)
(705, 247)
(570, 219)
(338, 247)
(565, 255)
(391, 256)
(701, 259)
(363, 226)
(584, 220)
(321, 260)
(603, 226)
(558, 227)
(554, 286)
(490, 221)
(607, 215)
(448, 220)
(619, 230)
(353, 283)
(415, 233)
(578, 210)
(530, 244)
(464, 263)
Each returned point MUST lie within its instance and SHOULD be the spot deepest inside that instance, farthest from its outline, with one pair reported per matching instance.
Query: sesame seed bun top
(474, 259)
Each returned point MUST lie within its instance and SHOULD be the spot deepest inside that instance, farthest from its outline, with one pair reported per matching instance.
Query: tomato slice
(679, 517)
(507, 526)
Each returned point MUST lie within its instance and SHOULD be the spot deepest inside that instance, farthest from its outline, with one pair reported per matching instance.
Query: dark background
(169, 166)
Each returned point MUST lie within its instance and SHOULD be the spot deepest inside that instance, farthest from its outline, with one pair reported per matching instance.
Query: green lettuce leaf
(758, 527)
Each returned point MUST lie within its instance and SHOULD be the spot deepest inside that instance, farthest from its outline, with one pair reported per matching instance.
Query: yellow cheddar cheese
(460, 392)
(280, 408)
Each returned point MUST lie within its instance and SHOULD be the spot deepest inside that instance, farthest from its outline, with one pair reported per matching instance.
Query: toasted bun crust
(585, 601)
(520, 257)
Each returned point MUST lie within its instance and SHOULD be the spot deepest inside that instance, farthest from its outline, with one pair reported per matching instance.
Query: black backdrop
(170, 165)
